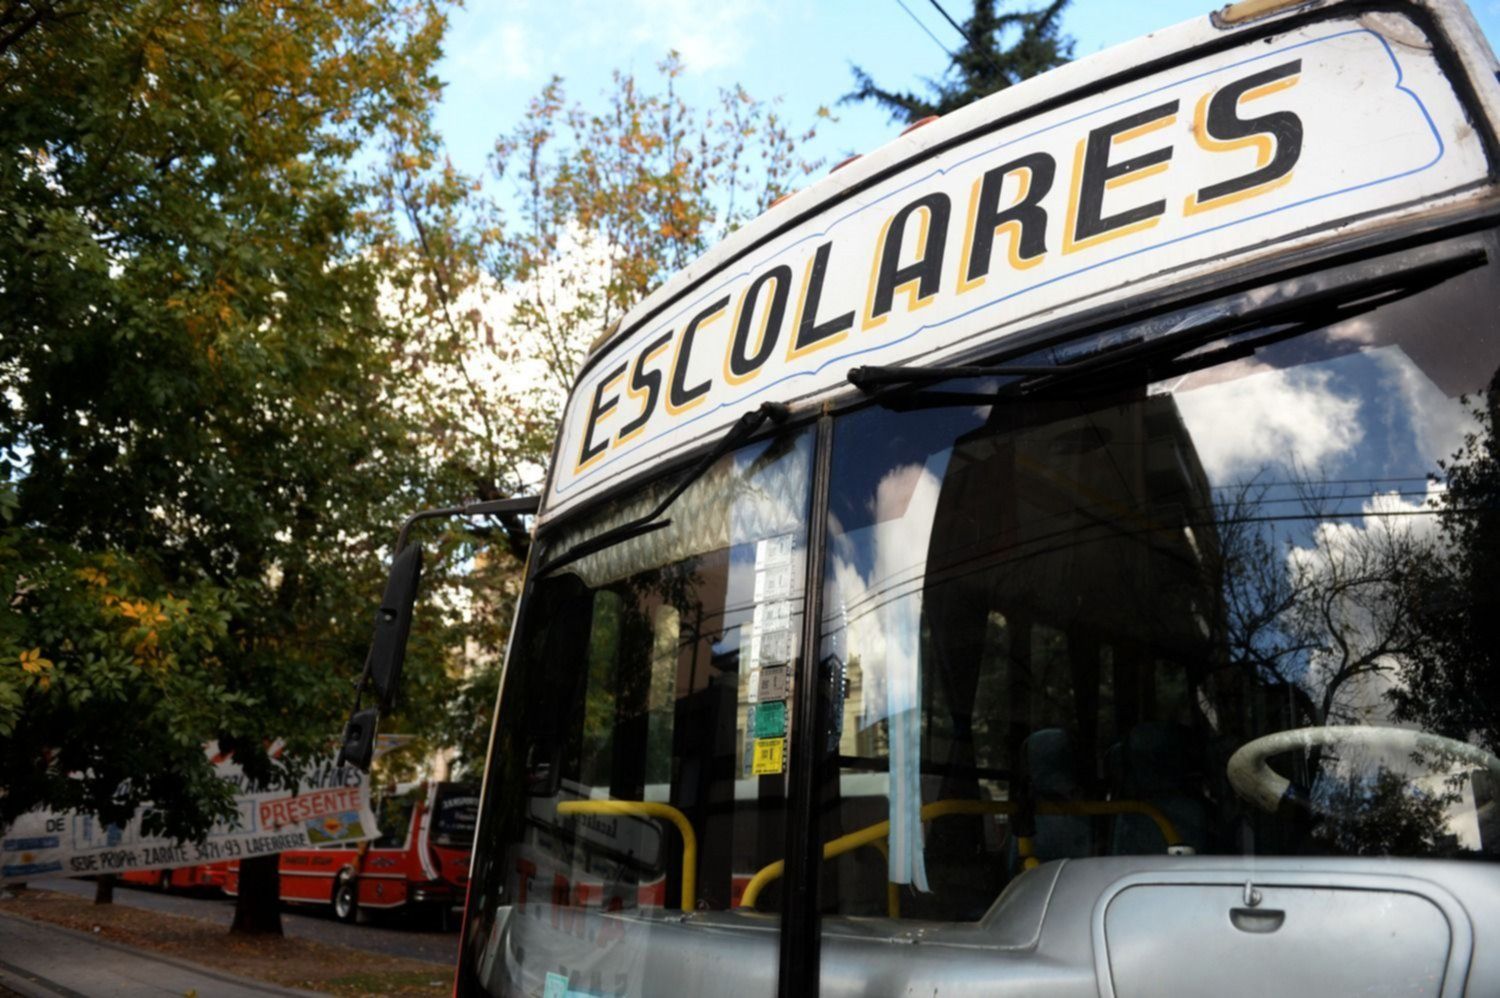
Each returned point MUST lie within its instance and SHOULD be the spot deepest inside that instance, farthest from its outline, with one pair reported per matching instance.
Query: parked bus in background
(1057, 553)
(420, 861)
(198, 877)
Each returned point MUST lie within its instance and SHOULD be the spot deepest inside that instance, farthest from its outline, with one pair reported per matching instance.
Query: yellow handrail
(651, 809)
(942, 808)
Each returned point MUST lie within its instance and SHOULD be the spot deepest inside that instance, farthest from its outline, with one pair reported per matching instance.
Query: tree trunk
(257, 911)
(104, 889)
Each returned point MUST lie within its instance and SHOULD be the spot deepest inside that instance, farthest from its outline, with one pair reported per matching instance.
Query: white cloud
(502, 51)
(1348, 563)
(709, 36)
(1335, 543)
(531, 39)
(1438, 423)
(1269, 416)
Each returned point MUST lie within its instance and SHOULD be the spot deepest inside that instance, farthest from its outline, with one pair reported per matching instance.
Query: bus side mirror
(393, 624)
(359, 739)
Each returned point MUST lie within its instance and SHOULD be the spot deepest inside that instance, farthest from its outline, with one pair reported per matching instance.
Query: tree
(1326, 615)
(1451, 681)
(1384, 815)
(502, 298)
(199, 435)
(999, 50)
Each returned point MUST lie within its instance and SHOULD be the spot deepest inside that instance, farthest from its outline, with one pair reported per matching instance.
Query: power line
(928, 31)
(972, 43)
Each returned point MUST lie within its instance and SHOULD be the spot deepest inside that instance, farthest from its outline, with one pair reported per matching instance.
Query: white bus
(1055, 554)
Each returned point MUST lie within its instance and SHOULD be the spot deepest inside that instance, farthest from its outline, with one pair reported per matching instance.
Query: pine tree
(983, 65)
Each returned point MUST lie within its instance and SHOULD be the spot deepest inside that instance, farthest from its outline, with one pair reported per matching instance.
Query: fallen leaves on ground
(294, 963)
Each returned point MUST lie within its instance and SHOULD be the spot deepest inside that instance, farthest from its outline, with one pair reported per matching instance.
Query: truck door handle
(1257, 920)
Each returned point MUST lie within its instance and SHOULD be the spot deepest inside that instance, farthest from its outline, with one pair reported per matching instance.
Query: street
(391, 935)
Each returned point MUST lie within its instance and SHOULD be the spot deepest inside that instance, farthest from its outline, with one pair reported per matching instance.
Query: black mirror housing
(359, 739)
(393, 624)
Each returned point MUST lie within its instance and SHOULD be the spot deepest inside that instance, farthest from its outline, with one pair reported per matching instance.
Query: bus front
(1055, 554)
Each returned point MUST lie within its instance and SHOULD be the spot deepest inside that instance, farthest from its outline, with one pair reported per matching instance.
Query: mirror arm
(494, 507)
(359, 733)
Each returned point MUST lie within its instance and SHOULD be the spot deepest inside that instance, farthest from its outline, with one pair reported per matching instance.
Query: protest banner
(330, 804)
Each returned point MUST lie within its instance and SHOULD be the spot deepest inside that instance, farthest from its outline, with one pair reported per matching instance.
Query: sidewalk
(46, 961)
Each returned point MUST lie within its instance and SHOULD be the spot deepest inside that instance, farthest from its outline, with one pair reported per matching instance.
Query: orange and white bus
(419, 861)
(199, 876)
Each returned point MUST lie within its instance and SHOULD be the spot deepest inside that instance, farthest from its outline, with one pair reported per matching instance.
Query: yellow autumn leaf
(147, 644)
(32, 661)
(147, 613)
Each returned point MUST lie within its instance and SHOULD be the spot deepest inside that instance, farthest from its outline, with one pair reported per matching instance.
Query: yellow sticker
(769, 754)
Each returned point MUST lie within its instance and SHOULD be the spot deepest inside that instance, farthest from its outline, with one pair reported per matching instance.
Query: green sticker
(770, 719)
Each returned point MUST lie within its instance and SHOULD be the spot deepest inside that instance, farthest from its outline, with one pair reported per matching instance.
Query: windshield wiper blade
(1303, 313)
(741, 431)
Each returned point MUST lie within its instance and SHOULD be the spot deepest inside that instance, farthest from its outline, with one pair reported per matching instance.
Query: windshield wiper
(1294, 317)
(872, 376)
(741, 431)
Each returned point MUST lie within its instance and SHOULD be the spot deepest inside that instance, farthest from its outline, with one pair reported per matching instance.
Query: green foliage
(1385, 815)
(999, 50)
(199, 412)
(500, 307)
(1450, 681)
(230, 365)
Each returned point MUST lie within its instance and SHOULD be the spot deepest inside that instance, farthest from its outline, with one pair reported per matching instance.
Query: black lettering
(741, 363)
(927, 269)
(597, 412)
(679, 395)
(1028, 213)
(647, 381)
(1098, 172)
(1282, 131)
(810, 332)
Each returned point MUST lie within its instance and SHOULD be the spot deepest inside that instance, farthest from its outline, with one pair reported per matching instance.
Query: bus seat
(1155, 764)
(1047, 760)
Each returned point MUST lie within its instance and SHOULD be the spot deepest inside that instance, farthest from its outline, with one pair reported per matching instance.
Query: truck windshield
(1247, 608)
(455, 810)
(641, 748)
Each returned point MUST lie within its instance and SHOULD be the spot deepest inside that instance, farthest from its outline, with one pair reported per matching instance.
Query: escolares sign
(1227, 157)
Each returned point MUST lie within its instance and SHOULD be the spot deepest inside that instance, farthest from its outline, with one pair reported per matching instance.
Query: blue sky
(500, 52)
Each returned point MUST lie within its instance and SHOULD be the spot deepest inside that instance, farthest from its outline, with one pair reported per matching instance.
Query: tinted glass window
(393, 814)
(637, 780)
(1238, 601)
(455, 810)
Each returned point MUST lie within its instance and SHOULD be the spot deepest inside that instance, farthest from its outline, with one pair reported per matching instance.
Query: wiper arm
(871, 377)
(1304, 313)
(741, 431)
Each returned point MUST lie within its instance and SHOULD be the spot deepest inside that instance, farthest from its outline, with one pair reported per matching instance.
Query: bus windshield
(1111, 609)
(1236, 603)
(1240, 604)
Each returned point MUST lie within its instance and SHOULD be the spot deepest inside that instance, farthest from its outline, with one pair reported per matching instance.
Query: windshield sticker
(770, 719)
(770, 757)
(773, 683)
